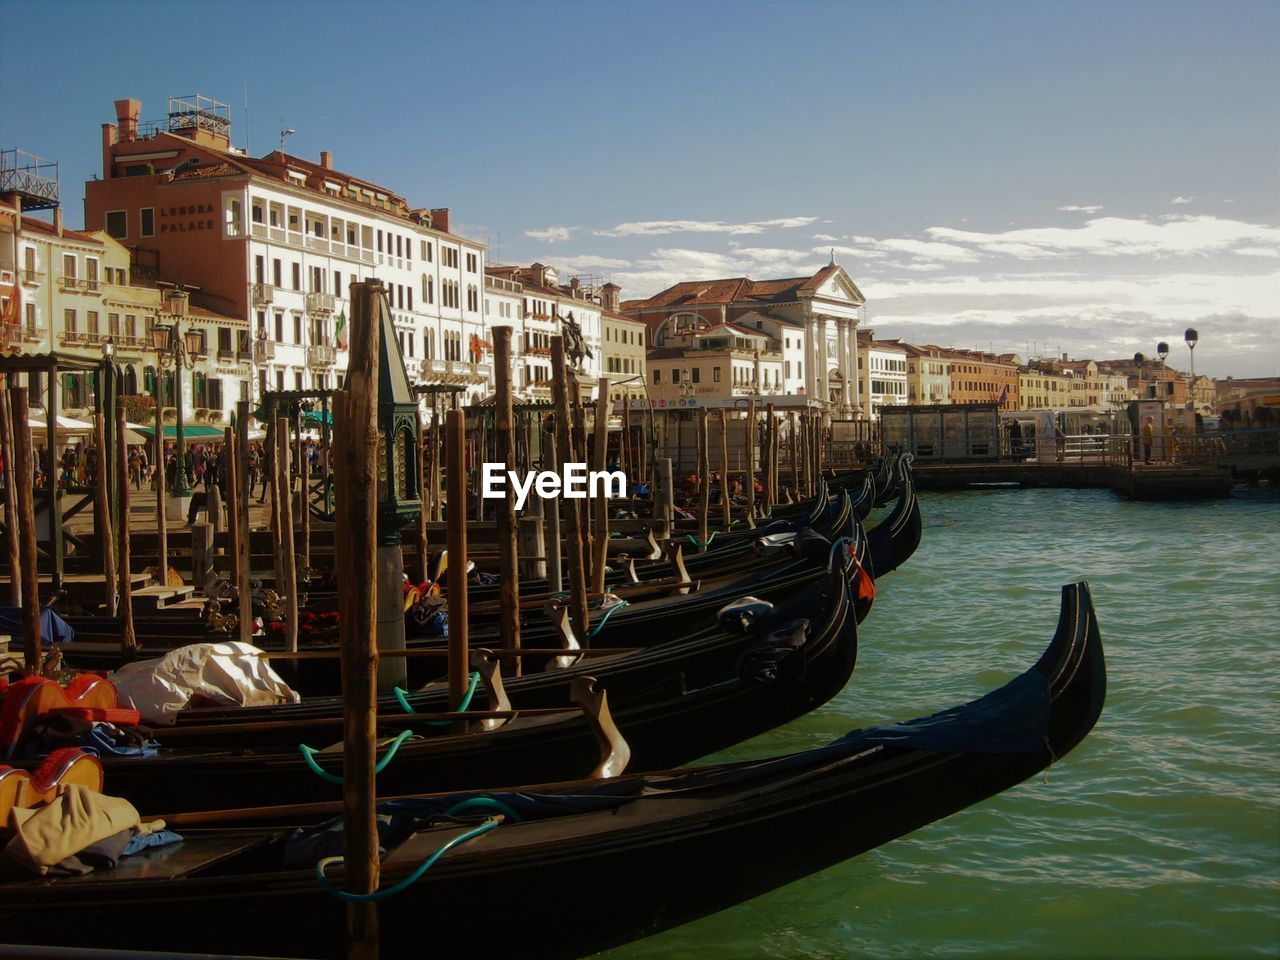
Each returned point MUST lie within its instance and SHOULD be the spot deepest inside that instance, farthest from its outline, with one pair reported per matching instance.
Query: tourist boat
(761, 666)
(565, 870)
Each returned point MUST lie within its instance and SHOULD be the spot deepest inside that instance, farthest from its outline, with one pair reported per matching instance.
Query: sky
(1032, 177)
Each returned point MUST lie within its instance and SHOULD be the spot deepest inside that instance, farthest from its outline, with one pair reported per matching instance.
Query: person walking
(1148, 438)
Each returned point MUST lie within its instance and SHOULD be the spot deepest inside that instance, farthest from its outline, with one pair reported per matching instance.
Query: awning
(67, 426)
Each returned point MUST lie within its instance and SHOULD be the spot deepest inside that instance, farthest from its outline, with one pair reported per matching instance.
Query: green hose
(403, 699)
(591, 634)
(308, 754)
(427, 864)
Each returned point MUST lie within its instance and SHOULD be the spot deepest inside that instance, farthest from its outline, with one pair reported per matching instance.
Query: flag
(1004, 394)
(340, 331)
(13, 307)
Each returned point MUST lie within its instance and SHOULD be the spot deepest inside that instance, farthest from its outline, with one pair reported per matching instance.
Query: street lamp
(1139, 359)
(179, 350)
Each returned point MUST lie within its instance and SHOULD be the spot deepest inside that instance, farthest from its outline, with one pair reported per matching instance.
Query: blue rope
(694, 540)
(591, 634)
(427, 864)
(308, 754)
(466, 700)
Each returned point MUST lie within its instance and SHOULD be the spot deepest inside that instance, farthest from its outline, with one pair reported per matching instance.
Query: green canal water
(1159, 836)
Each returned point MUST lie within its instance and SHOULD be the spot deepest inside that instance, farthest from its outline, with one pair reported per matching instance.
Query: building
(882, 369)
(623, 348)
(277, 241)
(546, 305)
(1042, 387)
(980, 377)
(810, 322)
(713, 362)
(72, 294)
(928, 374)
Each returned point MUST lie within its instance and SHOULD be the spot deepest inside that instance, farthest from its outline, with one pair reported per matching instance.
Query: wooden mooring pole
(508, 548)
(600, 545)
(794, 438)
(749, 452)
(456, 501)
(241, 507)
(285, 536)
(24, 468)
(574, 541)
(162, 516)
(420, 528)
(12, 533)
(355, 558)
(128, 638)
(102, 513)
(704, 481)
(726, 517)
(233, 501)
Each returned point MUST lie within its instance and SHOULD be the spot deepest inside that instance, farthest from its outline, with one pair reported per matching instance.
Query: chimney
(127, 112)
(440, 219)
(611, 296)
(57, 220)
(326, 159)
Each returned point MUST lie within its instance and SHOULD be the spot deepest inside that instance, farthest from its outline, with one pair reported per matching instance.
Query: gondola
(775, 663)
(564, 870)
(638, 624)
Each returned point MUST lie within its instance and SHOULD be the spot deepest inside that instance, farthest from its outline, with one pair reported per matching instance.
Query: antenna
(246, 118)
(497, 248)
(284, 132)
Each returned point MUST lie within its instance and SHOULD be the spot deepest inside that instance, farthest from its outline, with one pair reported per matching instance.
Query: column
(842, 363)
(824, 385)
(810, 363)
(853, 366)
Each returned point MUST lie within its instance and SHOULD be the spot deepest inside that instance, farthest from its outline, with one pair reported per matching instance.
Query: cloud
(654, 228)
(1074, 208)
(1116, 236)
(1257, 251)
(551, 234)
(1182, 199)
(589, 263)
(826, 237)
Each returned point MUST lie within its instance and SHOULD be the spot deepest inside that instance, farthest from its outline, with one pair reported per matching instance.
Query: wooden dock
(1139, 482)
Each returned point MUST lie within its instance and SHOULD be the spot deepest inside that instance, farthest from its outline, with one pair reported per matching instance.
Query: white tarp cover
(220, 674)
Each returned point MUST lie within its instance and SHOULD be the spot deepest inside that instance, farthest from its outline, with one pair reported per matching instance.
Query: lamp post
(1139, 359)
(173, 347)
(1192, 338)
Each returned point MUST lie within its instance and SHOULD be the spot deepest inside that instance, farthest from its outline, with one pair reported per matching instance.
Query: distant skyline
(1087, 178)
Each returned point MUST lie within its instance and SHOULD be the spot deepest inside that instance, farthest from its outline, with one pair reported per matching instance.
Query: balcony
(264, 351)
(263, 294)
(319, 303)
(226, 355)
(322, 355)
(78, 284)
(32, 278)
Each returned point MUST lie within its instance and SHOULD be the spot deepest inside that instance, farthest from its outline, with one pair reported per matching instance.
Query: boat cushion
(811, 545)
(744, 615)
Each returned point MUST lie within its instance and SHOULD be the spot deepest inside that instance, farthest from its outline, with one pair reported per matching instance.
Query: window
(147, 221)
(91, 318)
(276, 273)
(117, 224)
(259, 269)
(715, 374)
(426, 251)
(297, 330)
(69, 266)
(280, 328)
(113, 324)
(675, 374)
(131, 326)
(697, 374)
(297, 380)
(256, 213)
(428, 292)
(379, 241)
(69, 320)
(471, 262)
(337, 283)
(297, 276)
